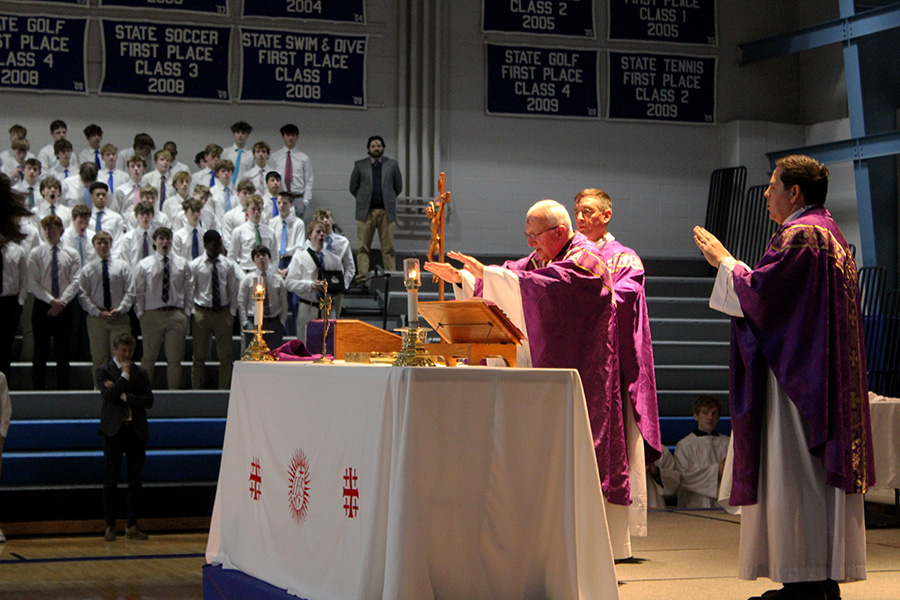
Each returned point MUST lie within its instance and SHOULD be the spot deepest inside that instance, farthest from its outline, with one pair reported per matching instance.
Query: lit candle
(412, 281)
(259, 297)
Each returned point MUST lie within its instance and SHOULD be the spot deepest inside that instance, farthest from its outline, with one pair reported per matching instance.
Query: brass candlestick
(257, 350)
(325, 307)
(412, 354)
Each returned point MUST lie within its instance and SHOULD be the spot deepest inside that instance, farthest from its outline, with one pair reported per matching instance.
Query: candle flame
(259, 289)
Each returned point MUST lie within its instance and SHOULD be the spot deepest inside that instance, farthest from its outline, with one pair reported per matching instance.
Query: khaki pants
(365, 231)
(209, 323)
(169, 327)
(102, 335)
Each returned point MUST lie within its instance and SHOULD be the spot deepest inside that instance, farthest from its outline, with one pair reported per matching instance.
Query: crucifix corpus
(435, 212)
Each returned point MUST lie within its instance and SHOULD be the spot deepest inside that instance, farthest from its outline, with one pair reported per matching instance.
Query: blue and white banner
(572, 18)
(322, 69)
(662, 87)
(42, 54)
(216, 7)
(339, 11)
(669, 21)
(542, 82)
(82, 3)
(165, 60)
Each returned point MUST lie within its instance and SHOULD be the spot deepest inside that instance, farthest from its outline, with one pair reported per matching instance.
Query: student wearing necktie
(53, 280)
(260, 169)
(207, 175)
(106, 296)
(295, 168)
(275, 309)
(290, 233)
(129, 194)
(159, 178)
(93, 153)
(237, 153)
(251, 234)
(163, 301)
(104, 218)
(215, 305)
(13, 291)
(340, 246)
(304, 275)
(187, 242)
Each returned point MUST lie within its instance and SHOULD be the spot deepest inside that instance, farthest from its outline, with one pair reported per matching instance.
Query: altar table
(342, 482)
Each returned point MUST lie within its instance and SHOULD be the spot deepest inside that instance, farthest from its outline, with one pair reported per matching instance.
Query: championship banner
(338, 11)
(215, 7)
(662, 87)
(572, 18)
(672, 21)
(542, 82)
(165, 60)
(83, 3)
(321, 69)
(42, 54)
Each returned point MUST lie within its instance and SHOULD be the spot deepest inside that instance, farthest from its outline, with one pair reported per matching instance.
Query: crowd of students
(133, 241)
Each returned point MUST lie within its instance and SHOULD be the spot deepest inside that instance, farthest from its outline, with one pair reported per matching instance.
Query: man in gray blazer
(376, 181)
(127, 395)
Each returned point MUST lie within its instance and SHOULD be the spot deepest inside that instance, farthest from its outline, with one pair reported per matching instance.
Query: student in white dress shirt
(129, 193)
(215, 306)
(275, 308)
(16, 132)
(109, 174)
(223, 195)
(13, 280)
(206, 176)
(187, 241)
(237, 216)
(305, 275)
(290, 231)
(47, 154)
(106, 286)
(175, 166)
(339, 245)
(251, 234)
(159, 178)
(148, 194)
(14, 166)
(207, 216)
(77, 236)
(30, 184)
(142, 146)
(51, 192)
(270, 198)
(297, 180)
(53, 280)
(104, 218)
(238, 153)
(137, 243)
(257, 173)
(93, 153)
(66, 164)
(163, 301)
(76, 188)
(173, 207)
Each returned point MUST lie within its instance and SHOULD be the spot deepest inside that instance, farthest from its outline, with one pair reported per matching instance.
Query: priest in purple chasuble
(802, 447)
(593, 211)
(561, 297)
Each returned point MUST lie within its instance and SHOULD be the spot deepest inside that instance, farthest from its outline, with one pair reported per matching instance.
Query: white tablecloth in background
(472, 483)
(885, 415)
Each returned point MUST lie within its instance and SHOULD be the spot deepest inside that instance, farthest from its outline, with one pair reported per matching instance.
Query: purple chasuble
(570, 317)
(635, 349)
(802, 319)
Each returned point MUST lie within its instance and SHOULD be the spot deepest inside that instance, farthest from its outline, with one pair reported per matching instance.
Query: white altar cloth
(469, 483)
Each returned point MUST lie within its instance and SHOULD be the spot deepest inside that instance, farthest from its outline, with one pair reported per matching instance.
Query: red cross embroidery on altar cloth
(255, 479)
(351, 493)
(298, 479)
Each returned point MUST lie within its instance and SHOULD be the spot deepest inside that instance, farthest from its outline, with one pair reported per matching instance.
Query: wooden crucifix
(435, 212)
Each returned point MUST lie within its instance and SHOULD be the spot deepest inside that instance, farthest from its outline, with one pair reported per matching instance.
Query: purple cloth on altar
(294, 350)
(802, 319)
(635, 347)
(570, 317)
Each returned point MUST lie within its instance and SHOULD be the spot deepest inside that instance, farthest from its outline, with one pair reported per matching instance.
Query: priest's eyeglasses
(534, 236)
